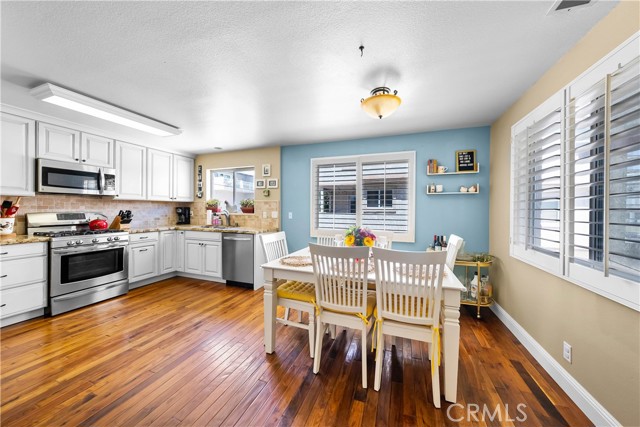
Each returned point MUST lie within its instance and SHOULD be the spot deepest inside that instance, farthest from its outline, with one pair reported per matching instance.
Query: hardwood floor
(187, 352)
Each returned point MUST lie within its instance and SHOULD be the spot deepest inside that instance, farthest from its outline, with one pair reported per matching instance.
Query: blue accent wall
(464, 215)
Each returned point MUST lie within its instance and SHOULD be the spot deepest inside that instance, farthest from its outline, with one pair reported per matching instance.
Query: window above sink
(231, 186)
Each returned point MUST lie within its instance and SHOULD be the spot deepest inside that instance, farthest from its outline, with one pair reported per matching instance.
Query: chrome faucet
(226, 213)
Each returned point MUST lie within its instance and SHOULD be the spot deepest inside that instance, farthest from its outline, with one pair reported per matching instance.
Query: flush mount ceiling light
(381, 103)
(83, 104)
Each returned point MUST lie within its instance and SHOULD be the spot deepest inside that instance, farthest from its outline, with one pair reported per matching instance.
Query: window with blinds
(575, 189)
(374, 191)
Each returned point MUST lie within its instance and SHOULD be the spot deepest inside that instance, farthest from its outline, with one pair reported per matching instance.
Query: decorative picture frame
(261, 183)
(272, 183)
(466, 161)
(266, 170)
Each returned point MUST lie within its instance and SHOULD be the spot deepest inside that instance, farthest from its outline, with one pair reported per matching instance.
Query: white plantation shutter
(335, 196)
(575, 189)
(375, 191)
(624, 172)
(385, 196)
(585, 157)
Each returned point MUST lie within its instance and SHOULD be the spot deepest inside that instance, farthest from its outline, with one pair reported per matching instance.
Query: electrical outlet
(290, 215)
(274, 214)
(566, 351)
(264, 214)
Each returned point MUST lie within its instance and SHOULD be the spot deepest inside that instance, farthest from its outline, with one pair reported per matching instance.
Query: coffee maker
(184, 215)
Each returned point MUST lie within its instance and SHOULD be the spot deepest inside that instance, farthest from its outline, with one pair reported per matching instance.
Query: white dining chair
(384, 239)
(329, 238)
(291, 294)
(341, 294)
(454, 245)
(408, 300)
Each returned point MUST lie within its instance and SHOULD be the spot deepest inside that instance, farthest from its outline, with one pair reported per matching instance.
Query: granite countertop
(23, 239)
(240, 230)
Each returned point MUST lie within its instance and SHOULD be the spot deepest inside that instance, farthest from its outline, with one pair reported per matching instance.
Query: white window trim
(615, 288)
(410, 156)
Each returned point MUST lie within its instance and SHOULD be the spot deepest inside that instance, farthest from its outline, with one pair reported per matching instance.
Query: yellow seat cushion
(298, 291)
(371, 305)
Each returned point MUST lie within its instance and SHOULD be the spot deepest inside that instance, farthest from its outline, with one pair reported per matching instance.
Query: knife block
(117, 225)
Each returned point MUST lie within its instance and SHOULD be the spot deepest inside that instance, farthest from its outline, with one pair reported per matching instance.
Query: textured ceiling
(246, 74)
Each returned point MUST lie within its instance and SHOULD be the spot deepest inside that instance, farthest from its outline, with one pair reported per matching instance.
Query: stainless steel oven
(73, 178)
(85, 266)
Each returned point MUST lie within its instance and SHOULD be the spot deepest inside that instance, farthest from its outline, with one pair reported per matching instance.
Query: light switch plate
(274, 214)
(264, 214)
(290, 215)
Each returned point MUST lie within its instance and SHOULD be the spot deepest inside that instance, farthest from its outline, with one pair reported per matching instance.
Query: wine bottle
(438, 244)
(435, 239)
(444, 243)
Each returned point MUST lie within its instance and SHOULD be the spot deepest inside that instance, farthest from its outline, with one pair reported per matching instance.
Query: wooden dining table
(275, 272)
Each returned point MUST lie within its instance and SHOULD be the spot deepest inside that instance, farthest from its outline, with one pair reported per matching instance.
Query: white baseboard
(582, 398)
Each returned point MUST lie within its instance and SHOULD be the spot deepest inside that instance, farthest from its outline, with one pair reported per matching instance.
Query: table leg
(270, 305)
(451, 341)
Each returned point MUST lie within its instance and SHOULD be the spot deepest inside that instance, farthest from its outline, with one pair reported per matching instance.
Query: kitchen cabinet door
(180, 242)
(17, 156)
(159, 175)
(193, 257)
(142, 262)
(167, 251)
(183, 178)
(131, 171)
(212, 259)
(97, 150)
(58, 143)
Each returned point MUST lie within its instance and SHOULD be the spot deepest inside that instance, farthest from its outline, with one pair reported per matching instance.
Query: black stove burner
(68, 233)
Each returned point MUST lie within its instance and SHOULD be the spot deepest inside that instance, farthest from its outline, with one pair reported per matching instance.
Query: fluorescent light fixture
(83, 104)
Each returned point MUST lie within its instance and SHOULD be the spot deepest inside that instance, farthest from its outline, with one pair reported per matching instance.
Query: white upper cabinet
(159, 175)
(183, 178)
(17, 156)
(131, 171)
(58, 143)
(97, 150)
(68, 145)
(169, 176)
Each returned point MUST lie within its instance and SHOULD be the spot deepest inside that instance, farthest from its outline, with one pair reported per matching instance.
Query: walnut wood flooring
(188, 352)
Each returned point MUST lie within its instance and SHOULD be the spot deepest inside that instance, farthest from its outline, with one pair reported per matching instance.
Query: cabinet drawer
(143, 237)
(21, 299)
(21, 250)
(22, 270)
(204, 235)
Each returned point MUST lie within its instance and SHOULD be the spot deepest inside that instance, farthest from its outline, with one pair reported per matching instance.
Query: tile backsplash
(146, 214)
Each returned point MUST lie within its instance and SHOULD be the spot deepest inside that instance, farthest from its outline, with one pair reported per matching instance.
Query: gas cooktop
(67, 233)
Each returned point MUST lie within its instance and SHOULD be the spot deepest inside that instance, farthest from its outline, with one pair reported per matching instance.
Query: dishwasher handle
(240, 239)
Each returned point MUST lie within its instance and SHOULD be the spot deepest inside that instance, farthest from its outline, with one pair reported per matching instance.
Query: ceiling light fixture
(381, 103)
(86, 105)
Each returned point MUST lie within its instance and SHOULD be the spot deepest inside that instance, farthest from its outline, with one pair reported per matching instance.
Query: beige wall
(234, 159)
(605, 335)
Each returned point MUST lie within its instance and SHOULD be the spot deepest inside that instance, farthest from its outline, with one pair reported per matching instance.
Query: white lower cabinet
(143, 256)
(23, 281)
(167, 251)
(203, 253)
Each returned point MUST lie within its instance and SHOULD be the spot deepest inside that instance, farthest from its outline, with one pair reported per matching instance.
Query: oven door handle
(76, 249)
(86, 292)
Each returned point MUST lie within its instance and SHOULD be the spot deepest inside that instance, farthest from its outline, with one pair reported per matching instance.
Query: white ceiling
(247, 74)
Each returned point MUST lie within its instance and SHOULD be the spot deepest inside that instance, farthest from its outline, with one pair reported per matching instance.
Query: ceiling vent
(568, 5)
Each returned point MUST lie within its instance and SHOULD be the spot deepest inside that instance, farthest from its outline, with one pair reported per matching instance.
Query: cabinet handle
(2, 305)
(84, 160)
(143, 250)
(3, 276)
(144, 237)
(3, 253)
(77, 159)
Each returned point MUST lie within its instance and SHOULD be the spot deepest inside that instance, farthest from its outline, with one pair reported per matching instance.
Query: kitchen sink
(221, 227)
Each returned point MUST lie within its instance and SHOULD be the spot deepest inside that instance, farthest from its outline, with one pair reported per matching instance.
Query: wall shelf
(456, 173)
(435, 193)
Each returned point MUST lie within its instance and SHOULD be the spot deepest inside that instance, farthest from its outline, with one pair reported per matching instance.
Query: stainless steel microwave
(73, 178)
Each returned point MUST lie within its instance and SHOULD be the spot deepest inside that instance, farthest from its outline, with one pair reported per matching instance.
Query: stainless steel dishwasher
(237, 259)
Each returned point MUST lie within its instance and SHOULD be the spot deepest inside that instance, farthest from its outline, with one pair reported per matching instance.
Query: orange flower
(368, 241)
(349, 240)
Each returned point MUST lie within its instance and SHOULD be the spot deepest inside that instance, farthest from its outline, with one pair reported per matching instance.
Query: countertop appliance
(85, 266)
(74, 178)
(184, 215)
(237, 259)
